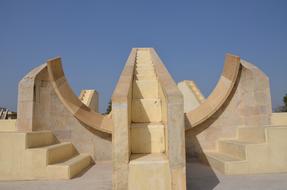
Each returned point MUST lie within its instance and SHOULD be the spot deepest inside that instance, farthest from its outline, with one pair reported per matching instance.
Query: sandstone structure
(234, 129)
(47, 102)
(148, 133)
(153, 128)
(191, 94)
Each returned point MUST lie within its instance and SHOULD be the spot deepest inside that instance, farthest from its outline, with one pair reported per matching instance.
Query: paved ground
(200, 177)
(99, 177)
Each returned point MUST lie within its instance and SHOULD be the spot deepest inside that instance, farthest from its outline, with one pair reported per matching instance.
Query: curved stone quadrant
(46, 102)
(240, 135)
(246, 101)
(219, 95)
(65, 93)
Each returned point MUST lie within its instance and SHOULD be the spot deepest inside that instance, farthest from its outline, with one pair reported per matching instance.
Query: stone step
(143, 55)
(146, 110)
(40, 138)
(56, 153)
(147, 138)
(234, 148)
(144, 62)
(145, 89)
(149, 76)
(152, 169)
(252, 134)
(71, 167)
(144, 72)
(238, 148)
(143, 52)
(227, 164)
(145, 66)
(60, 152)
(144, 69)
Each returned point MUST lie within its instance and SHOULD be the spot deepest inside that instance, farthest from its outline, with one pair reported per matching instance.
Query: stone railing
(173, 118)
(121, 115)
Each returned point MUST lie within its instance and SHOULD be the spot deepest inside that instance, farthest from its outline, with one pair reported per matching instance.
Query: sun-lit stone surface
(237, 135)
(191, 94)
(153, 123)
(148, 135)
(90, 98)
(39, 155)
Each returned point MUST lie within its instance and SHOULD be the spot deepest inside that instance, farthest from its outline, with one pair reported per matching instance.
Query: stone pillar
(28, 98)
(121, 145)
(175, 136)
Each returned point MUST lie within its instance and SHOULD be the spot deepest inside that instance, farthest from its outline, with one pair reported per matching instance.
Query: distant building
(6, 114)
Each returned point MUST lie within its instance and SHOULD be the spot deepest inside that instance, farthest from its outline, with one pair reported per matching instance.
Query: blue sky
(94, 39)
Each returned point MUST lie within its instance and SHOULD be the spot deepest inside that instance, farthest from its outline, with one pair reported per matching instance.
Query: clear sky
(94, 39)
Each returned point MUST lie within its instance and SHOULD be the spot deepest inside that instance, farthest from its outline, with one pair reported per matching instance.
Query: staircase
(148, 161)
(255, 150)
(196, 91)
(39, 156)
(83, 95)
